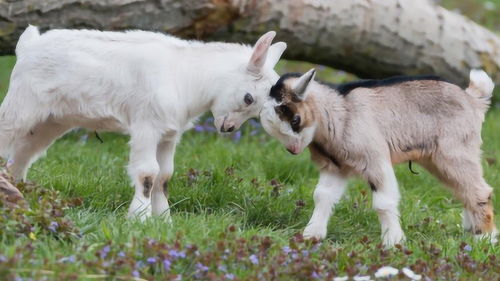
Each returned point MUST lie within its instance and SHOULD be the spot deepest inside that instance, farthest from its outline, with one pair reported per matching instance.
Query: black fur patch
(148, 185)
(284, 111)
(372, 186)
(277, 88)
(345, 88)
(321, 150)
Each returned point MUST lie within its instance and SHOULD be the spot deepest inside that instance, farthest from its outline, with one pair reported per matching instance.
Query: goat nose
(230, 129)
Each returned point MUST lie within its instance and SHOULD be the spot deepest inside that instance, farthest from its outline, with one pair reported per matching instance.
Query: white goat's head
(246, 90)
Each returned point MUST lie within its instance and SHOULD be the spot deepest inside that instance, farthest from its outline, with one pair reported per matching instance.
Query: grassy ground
(237, 205)
(253, 185)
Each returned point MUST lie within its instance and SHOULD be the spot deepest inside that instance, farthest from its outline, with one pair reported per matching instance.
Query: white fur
(385, 203)
(328, 192)
(482, 82)
(149, 85)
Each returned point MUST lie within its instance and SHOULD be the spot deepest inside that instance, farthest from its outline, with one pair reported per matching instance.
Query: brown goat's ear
(300, 87)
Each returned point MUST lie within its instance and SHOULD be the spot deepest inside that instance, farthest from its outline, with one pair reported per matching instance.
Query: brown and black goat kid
(363, 128)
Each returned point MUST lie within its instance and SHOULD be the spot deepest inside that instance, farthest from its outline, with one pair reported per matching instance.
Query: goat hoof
(393, 237)
(314, 232)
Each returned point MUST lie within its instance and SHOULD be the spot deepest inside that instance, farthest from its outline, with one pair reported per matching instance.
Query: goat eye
(295, 122)
(248, 99)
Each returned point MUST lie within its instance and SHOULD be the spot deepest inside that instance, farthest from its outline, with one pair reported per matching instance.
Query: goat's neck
(331, 112)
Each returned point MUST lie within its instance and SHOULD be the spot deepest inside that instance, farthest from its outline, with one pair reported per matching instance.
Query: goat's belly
(405, 156)
(109, 124)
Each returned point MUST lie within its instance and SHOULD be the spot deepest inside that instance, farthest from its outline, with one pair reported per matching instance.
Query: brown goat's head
(288, 115)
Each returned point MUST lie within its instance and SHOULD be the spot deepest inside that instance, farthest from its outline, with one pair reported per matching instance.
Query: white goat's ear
(274, 54)
(300, 87)
(259, 54)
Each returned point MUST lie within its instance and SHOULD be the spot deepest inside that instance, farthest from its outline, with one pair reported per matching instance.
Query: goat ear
(300, 87)
(274, 54)
(259, 54)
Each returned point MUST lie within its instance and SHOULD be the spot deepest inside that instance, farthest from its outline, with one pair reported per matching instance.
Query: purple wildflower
(315, 275)
(305, 253)
(237, 136)
(105, 251)
(286, 250)
(53, 226)
(121, 254)
(135, 273)
(70, 259)
(468, 248)
(229, 276)
(199, 128)
(222, 268)
(201, 267)
(254, 123)
(151, 260)
(254, 259)
(166, 264)
(176, 254)
(3, 258)
(254, 132)
(210, 129)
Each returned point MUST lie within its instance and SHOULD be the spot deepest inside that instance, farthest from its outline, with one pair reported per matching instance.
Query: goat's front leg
(143, 170)
(159, 198)
(328, 192)
(386, 197)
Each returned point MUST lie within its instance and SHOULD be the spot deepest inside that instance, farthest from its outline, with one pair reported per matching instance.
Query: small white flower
(344, 278)
(386, 271)
(410, 274)
(362, 278)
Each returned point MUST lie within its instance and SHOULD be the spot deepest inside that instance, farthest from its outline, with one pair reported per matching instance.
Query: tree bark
(370, 38)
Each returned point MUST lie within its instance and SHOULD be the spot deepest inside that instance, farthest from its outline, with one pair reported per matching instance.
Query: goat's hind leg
(143, 169)
(29, 147)
(463, 174)
(159, 196)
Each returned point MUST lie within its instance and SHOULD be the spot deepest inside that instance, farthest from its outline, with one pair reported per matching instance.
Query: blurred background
(484, 12)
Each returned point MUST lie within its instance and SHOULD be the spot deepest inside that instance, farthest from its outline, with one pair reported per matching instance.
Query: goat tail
(481, 86)
(30, 34)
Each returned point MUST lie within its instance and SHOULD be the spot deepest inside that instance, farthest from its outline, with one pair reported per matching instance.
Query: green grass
(219, 185)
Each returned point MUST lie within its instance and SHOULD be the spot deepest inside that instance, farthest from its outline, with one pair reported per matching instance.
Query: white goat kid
(149, 85)
(363, 128)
